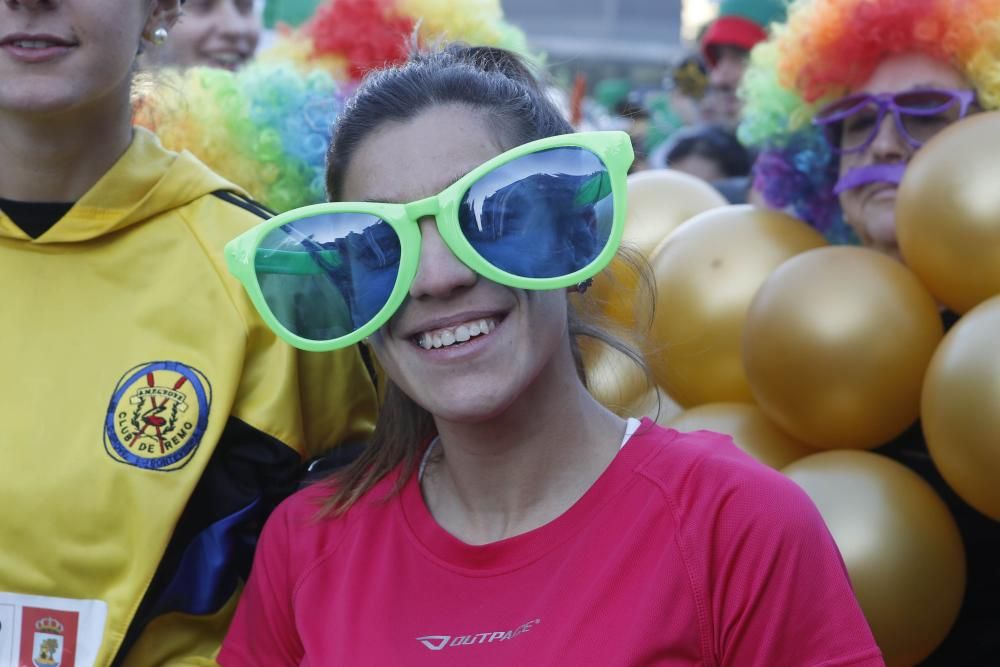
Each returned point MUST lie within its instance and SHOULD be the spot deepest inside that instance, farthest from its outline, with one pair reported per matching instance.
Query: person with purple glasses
(838, 102)
(876, 133)
(842, 97)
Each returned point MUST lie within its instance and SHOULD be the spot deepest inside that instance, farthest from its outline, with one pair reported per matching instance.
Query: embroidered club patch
(157, 415)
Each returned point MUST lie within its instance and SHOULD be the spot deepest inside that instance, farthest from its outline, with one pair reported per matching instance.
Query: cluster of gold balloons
(706, 274)
(948, 224)
(806, 354)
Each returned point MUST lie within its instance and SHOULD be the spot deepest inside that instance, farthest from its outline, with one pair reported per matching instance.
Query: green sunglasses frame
(613, 148)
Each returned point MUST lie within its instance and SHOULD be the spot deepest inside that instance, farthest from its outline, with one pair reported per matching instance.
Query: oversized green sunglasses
(545, 215)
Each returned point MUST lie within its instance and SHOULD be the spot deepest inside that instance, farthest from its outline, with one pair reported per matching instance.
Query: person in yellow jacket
(149, 420)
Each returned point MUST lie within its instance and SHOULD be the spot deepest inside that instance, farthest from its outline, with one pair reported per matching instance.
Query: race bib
(39, 631)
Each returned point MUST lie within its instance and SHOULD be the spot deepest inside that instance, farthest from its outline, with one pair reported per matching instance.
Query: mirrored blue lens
(328, 275)
(543, 215)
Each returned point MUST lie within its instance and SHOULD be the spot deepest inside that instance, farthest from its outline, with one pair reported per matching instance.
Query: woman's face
(720, 104)
(213, 33)
(72, 55)
(523, 337)
(870, 209)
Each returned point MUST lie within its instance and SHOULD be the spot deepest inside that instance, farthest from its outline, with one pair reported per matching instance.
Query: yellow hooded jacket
(149, 420)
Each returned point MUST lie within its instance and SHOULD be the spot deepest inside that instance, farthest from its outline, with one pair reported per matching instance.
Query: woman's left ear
(162, 16)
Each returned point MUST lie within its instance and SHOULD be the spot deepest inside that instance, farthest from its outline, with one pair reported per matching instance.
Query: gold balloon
(706, 275)
(948, 213)
(836, 345)
(901, 546)
(659, 200)
(612, 377)
(655, 404)
(752, 431)
(960, 408)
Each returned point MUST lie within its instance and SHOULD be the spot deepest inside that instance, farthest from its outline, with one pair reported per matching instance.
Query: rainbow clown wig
(267, 126)
(350, 37)
(829, 47)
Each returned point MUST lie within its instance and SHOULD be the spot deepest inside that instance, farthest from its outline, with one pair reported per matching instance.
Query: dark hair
(491, 81)
(712, 143)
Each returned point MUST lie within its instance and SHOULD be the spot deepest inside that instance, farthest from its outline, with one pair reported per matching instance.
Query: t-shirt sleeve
(263, 632)
(778, 592)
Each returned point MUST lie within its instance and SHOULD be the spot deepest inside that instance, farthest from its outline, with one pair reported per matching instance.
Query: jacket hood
(147, 180)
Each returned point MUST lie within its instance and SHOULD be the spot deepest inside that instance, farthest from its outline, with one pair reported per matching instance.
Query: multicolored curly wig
(350, 37)
(829, 47)
(267, 127)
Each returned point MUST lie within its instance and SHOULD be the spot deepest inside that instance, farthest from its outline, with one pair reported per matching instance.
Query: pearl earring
(160, 36)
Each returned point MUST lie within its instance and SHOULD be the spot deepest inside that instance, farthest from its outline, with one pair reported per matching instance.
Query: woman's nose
(439, 272)
(889, 145)
(233, 21)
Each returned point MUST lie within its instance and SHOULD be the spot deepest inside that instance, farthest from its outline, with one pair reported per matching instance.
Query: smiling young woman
(152, 421)
(501, 515)
(211, 33)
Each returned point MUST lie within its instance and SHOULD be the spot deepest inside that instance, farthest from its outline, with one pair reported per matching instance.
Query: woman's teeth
(458, 334)
(227, 59)
(32, 44)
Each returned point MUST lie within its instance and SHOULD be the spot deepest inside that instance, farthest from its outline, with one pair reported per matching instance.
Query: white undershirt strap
(427, 457)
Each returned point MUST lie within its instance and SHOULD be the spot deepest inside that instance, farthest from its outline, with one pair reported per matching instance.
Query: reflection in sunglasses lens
(923, 100)
(328, 275)
(925, 113)
(543, 215)
(859, 126)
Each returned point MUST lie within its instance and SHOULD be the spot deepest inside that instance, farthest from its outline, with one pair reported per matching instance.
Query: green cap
(291, 12)
(761, 12)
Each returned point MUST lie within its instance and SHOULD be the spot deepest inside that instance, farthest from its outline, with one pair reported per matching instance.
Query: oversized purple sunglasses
(851, 124)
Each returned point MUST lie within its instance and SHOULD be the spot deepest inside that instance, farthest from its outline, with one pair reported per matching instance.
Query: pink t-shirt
(684, 552)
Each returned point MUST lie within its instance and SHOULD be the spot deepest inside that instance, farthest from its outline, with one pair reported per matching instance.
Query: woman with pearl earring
(151, 419)
(210, 33)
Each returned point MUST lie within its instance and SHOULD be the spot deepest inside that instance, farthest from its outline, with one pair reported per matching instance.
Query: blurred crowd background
(666, 71)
